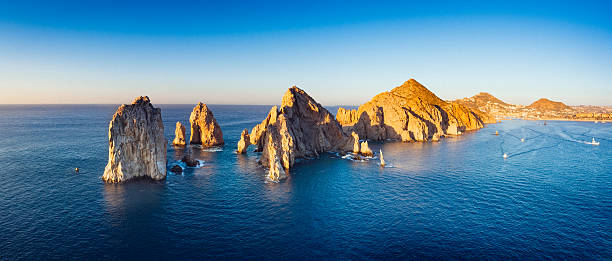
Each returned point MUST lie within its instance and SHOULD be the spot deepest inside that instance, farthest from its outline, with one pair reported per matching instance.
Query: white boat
(595, 143)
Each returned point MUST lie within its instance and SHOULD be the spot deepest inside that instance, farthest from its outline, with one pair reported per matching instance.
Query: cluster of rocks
(299, 128)
(138, 148)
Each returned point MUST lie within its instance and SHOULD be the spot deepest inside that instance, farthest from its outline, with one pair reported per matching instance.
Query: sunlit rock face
(204, 127)
(137, 146)
(365, 149)
(300, 128)
(356, 148)
(244, 142)
(179, 135)
(409, 112)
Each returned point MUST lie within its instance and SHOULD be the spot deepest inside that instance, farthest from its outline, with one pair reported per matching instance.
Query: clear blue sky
(345, 52)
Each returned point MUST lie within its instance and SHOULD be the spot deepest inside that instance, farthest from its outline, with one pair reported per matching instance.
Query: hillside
(546, 105)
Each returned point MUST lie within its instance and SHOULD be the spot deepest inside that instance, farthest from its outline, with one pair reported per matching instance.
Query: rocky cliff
(409, 112)
(300, 128)
(204, 127)
(137, 146)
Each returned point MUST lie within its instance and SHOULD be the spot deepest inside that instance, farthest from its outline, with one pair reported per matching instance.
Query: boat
(594, 143)
(496, 133)
(505, 156)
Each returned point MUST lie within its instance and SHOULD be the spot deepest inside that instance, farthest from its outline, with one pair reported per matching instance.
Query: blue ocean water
(458, 198)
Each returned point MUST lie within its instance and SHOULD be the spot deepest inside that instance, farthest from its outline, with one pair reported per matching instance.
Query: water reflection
(279, 193)
(139, 199)
(247, 164)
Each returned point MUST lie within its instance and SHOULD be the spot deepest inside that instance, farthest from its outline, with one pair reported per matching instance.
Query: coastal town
(542, 109)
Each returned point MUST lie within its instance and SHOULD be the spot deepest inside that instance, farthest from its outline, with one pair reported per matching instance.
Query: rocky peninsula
(137, 146)
(302, 128)
(410, 112)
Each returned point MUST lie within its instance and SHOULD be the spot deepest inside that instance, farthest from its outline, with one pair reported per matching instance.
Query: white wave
(356, 157)
(215, 149)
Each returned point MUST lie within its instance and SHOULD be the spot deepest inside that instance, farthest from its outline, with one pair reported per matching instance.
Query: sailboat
(594, 143)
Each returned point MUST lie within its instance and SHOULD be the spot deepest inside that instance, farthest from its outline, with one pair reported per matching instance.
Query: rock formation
(300, 128)
(204, 127)
(345, 116)
(244, 142)
(179, 135)
(409, 112)
(365, 149)
(276, 172)
(176, 169)
(137, 146)
(189, 161)
(355, 142)
(382, 159)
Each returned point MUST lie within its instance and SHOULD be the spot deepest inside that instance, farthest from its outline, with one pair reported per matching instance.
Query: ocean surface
(551, 198)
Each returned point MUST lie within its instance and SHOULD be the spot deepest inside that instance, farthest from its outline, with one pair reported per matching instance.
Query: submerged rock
(244, 142)
(204, 127)
(137, 147)
(190, 162)
(409, 112)
(179, 135)
(301, 128)
(176, 169)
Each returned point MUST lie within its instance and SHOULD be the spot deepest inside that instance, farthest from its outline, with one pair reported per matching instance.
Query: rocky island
(179, 135)
(244, 142)
(300, 128)
(137, 146)
(204, 127)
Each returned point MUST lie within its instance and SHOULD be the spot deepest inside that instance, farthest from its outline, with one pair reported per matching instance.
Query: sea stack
(382, 159)
(244, 142)
(204, 127)
(409, 112)
(365, 149)
(300, 128)
(137, 146)
(179, 135)
(355, 136)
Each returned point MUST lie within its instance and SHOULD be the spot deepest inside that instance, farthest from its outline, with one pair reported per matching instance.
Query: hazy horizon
(69, 52)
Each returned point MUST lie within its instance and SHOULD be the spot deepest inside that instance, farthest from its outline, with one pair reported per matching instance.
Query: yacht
(595, 143)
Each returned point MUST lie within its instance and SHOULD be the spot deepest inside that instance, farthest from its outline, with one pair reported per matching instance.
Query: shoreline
(559, 119)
